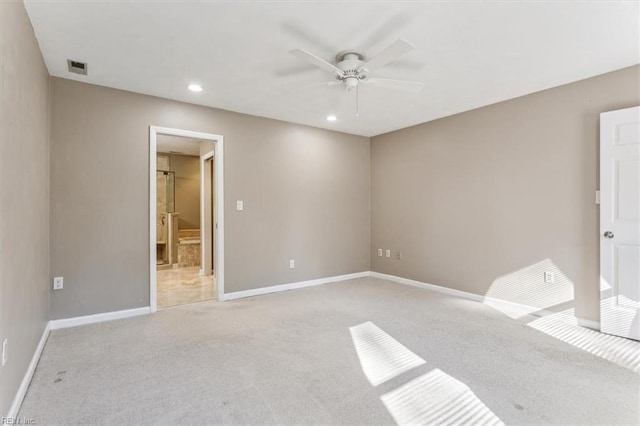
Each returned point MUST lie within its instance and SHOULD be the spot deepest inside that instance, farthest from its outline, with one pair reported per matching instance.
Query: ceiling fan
(352, 68)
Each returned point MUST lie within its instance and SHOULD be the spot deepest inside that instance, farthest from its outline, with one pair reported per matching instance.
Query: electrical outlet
(380, 252)
(239, 205)
(292, 264)
(388, 253)
(548, 277)
(58, 283)
(399, 255)
(4, 351)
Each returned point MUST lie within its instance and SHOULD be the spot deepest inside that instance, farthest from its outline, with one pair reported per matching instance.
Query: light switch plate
(388, 253)
(239, 205)
(292, 263)
(380, 252)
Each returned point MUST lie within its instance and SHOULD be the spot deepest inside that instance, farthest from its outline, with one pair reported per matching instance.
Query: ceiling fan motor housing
(349, 62)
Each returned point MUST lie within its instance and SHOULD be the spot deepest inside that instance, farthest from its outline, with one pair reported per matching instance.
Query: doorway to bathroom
(186, 217)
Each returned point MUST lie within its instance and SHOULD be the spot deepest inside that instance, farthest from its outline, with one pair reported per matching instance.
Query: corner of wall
(24, 213)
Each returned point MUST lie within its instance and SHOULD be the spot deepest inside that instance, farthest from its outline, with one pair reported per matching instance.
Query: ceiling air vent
(77, 67)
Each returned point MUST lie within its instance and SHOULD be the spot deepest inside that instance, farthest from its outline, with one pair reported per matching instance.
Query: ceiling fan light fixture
(351, 82)
(331, 117)
(194, 87)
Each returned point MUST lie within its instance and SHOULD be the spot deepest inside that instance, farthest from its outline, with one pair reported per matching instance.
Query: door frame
(218, 141)
(204, 236)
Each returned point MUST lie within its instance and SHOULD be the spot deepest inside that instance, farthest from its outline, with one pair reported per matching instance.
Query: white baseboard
(28, 375)
(498, 303)
(291, 286)
(593, 325)
(439, 289)
(90, 319)
(64, 323)
(528, 310)
(523, 310)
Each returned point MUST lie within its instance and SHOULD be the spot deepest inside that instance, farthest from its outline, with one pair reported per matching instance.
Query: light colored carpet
(363, 351)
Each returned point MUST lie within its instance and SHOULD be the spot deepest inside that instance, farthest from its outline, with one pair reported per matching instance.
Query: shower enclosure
(166, 220)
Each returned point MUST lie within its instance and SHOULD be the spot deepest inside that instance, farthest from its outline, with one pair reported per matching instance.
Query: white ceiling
(469, 54)
(178, 145)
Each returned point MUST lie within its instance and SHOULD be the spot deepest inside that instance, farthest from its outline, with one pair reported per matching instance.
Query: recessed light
(195, 88)
(331, 118)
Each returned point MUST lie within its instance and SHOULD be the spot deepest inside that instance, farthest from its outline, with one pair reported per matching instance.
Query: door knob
(608, 234)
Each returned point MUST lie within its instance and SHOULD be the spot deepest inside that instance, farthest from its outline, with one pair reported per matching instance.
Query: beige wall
(467, 199)
(306, 195)
(187, 173)
(475, 196)
(24, 183)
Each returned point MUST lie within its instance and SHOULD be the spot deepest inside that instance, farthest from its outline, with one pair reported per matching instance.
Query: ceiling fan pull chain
(357, 101)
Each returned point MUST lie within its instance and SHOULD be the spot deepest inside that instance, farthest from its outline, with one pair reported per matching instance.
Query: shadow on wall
(432, 398)
(534, 288)
(527, 293)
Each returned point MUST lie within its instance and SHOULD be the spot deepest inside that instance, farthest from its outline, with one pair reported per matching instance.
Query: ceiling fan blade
(296, 71)
(323, 84)
(399, 47)
(406, 64)
(390, 26)
(387, 83)
(307, 34)
(318, 62)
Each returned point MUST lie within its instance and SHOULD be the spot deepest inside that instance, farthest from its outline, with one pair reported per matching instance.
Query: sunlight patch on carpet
(563, 326)
(437, 398)
(381, 356)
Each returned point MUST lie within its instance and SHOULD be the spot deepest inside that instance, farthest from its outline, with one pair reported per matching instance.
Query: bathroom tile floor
(179, 286)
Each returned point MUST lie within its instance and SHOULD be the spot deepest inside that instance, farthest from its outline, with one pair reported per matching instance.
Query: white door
(620, 222)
